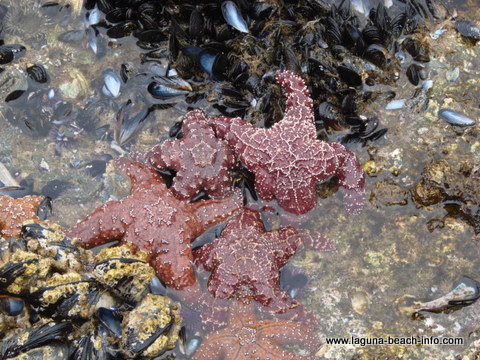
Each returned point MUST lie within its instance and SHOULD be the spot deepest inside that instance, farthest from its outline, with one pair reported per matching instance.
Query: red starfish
(245, 260)
(154, 220)
(248, 338)
(14, 212)
(287, 159)
(202, 161)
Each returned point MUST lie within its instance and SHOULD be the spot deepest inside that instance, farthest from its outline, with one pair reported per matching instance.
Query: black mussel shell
(165, 88)
(119, 14)
(8, 53)
(151, 36)
(262, 10)
(65, 306)
(44, 208)
(130, 120)
(329, 114)
(34, 231)
(349, 76)
(10, 271)
(233, 16)
(376, 54)
(11, 306)
(414, 73)
(455, 118)
(126, 71)
(86, 348)
(15, 344)
(38, 73)
(6, 56)
(468, 29)
(196, 25)
(112, 320)
(214, 63)
(121, 30)
(418, 50)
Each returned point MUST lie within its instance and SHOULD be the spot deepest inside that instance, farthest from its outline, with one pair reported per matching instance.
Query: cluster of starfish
(287, 161)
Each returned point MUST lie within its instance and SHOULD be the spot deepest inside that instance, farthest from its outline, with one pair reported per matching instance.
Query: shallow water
(383, 254)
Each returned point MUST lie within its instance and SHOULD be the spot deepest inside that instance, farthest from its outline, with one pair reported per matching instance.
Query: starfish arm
(292, 333)
(101, 226)
(297, 199)
(295, 89)
(207, 211)
(177, 274)
(218, 345)
(215, 312)
(351, 178)
(315, 240)
(264, 184)
(170, 152)
(205, 256)
(13, 212)
(224, 287)
(140, 174)
(284, 243)
(193, 119)
(221, 125)
(220, 187)
(181, 188)
(270, 296)
(150, 158)
(250, 143)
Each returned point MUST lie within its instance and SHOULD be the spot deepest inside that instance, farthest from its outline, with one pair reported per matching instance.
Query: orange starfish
(14, 212)
(248, 338)
(154, 220)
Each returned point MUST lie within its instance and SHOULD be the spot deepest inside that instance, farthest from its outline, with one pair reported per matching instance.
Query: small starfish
(14, 212)
(201, 161)
(287, 159)
(248, 338)
(245, 260)
(154, 220)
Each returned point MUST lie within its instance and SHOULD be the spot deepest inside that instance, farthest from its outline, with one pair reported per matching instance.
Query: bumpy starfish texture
(248, 338)
(245, 260)
(200, 159)
(154, 220)
(14, 212)
(287, 159)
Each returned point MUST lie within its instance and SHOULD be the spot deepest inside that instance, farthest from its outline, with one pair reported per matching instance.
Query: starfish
(154, 220)
(287, 159)
(14, 212)
(245, 261)
(248, 338)
(200, 159)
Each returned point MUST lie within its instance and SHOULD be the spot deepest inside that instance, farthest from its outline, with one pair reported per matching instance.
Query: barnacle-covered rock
(125, 274)
(22, 271)
(97, 307)
(152, 327)
(455, 183)
(67, 296)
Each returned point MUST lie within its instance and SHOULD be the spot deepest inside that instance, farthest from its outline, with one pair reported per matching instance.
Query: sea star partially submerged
(14, 212)
(154, 220)
(287, 159)
(247, 337)
(200, 159)
(245, 261)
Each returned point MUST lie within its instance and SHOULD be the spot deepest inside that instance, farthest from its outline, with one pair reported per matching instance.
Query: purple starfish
(287, 159)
